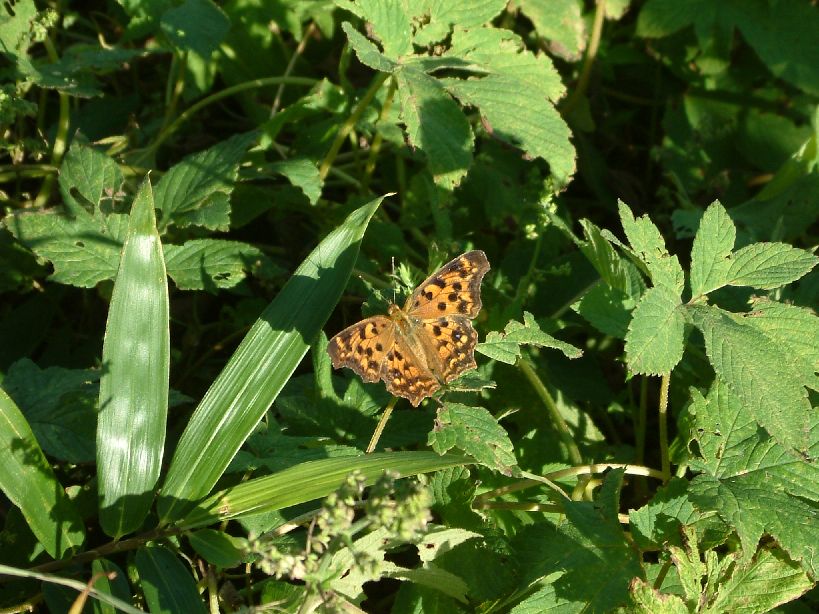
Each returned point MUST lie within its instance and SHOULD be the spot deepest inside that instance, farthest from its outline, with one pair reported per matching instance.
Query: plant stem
(588, 61)
(381, 424)
(665, 463)
(347, 127)
(225, 93)
(60, 138)
(554, 413)
(277, 101)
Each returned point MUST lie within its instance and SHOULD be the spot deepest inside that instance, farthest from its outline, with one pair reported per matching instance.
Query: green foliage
(197, 194)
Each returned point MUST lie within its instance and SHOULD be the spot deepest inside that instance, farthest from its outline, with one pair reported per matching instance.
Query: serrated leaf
(303, 174)
(712, 246)
(390, 23)
(561, 23)
(438, 17)
(585, 562)
(198, 25)
(760, 373)
(505, 346)
(366, 52)
(133, 401)
(218, 548)
(616, 271)
(435, 578)
(747, 474)
(515, 96)
(607, 309)
(28, 481)
(766, 582)
(649, 600)
(196, 190)
(649, 247)
(660, 520)
(60, 405)
(167, 584)
(82, 242)
(208, 264)
(261, 365)
(654, 342)
(436, 125)
(475, 431)
(769, 265)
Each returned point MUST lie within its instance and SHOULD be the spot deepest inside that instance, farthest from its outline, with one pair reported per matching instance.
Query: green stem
(60, 138)
(308, 33)
(225, 93)
(381, 424)
(588, 61)
(375, 149)
(554, 413)
(665, 463)
(347, 127)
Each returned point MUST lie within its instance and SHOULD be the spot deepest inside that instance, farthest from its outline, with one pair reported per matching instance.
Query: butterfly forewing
(453, 290)
(363, 347)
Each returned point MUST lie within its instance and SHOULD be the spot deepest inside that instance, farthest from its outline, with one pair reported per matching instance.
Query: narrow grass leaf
(261, 365)
(167, 584)
(309, 481)
(29, 483)
(134, 385)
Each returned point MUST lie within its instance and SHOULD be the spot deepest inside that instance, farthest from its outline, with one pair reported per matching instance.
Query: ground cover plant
(198, 196)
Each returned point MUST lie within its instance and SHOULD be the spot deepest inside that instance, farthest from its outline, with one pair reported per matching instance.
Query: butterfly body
(428, 343)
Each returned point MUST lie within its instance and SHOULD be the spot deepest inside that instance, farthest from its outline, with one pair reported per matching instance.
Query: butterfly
(428, 343)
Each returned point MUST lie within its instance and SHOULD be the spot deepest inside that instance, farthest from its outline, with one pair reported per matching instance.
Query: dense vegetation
(197, 195)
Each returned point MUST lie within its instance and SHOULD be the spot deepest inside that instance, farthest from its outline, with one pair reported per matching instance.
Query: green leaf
(16, 26)
(760, 372)
(218, 548)
(208, 264)
(196, 190)
(654, 342)
(649, 247)
(649, 600)
(366, 52)
(583, 564)
(660, 18)
(261, 365)
(763, 584)
(60, 405)
(167, 584)
(561, 23)
(117, 587)
(303, 174)
(616, 271)
(315, 480)
(475, 431)
(439, 16)
(436, 125)
(515, 96)
(83, 242)
(607, 309)
(505, 346)
(769, 265)
(391, 25)
(29, 483)
(196, 25)
(133, 405)
(747, 474)
(711, 250)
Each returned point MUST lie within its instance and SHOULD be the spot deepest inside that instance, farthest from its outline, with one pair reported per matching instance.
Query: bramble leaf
(769, 265)
(208, 264)
(712, 247)
(505, 346)
(760, 372)
(475, 431)
(654, 342)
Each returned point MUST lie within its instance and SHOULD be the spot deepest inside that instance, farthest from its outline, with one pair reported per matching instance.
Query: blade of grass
(309, 481)
(261, 365)
(134, 383)
(27, 480)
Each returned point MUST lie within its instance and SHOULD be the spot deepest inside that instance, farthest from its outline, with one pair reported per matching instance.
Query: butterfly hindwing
(451, 341)
(407, 376)
(455, 289)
